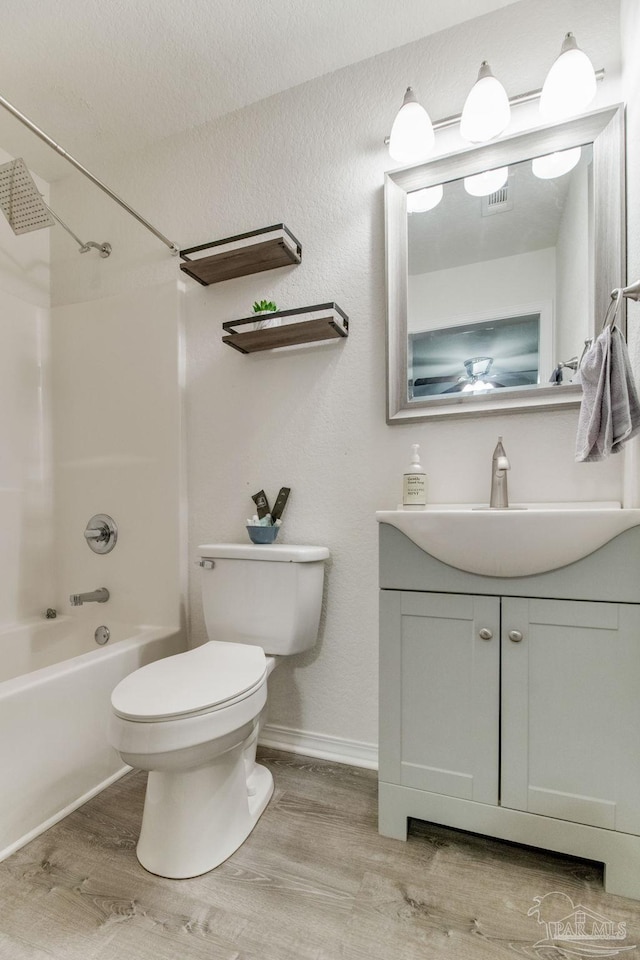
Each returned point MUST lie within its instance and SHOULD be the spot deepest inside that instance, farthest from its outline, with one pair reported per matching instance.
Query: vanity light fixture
(419, 201)
(483, 184)
(486, 112)
(554, 165)
(412, 138)
(569, 88)
(570, 85)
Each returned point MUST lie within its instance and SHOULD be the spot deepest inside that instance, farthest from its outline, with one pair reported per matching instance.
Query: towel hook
(632, 291)
(612, 310)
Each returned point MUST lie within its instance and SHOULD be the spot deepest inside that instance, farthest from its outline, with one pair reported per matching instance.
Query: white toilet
(192, 720)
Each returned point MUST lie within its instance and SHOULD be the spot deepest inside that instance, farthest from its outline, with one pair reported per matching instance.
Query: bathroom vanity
(510, 705)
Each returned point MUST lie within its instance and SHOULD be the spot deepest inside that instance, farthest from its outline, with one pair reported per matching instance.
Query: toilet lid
(188, 683)
(283, 552)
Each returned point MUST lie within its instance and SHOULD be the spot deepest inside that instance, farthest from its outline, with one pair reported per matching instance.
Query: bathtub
(55, 687)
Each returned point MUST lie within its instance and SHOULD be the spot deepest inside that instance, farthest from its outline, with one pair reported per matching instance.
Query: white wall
(482, 290)
(117, 450)
(26, 531)
(630, 35)
(25, 480)
(90, 422)
(574, 299)
(314, 418)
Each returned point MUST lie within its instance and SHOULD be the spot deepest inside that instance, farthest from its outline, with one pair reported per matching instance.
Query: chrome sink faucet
(101, 595)
(499, 499)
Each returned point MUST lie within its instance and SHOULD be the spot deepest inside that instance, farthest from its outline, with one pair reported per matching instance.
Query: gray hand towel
(610, 410)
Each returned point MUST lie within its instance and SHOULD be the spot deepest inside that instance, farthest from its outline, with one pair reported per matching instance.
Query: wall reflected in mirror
(500, 286)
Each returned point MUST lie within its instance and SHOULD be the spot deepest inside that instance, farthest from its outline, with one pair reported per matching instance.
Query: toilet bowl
(192, 720)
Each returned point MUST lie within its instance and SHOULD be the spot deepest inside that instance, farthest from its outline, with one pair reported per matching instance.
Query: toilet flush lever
(206, 564)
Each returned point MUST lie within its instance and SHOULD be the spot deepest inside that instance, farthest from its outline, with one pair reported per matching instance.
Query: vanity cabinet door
(571, 711)
(439, 693)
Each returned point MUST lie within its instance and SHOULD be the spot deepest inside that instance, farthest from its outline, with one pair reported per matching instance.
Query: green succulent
(261, 305)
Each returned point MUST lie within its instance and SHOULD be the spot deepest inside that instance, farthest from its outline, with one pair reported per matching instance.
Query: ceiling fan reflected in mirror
(477, 378)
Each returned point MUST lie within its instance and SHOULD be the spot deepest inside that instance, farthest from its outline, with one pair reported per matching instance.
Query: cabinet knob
(486, 634)
(515, 636)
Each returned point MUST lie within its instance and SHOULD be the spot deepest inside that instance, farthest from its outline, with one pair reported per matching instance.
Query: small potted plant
(263, 308)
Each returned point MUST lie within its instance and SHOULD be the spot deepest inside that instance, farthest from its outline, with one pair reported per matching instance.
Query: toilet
(192, 720)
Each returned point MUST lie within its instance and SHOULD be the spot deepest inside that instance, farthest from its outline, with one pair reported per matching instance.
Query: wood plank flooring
(314, 881)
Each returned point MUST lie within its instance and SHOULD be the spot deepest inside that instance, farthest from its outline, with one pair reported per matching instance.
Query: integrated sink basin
(516, 542)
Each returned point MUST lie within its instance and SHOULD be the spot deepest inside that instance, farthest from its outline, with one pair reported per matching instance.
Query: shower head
(24, 208)
(20, 200)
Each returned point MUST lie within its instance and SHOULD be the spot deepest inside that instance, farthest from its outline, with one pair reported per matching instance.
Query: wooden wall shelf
(242, 255)
(324, 321)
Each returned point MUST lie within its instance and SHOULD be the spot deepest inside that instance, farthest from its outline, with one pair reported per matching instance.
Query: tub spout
(101, 595)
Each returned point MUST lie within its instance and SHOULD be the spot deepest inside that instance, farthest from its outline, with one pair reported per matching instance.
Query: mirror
(500, 264)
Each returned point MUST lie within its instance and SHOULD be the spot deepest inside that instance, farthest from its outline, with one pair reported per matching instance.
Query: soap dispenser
(414, 490)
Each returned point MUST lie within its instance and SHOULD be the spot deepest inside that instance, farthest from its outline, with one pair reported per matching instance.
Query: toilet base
(195, 819)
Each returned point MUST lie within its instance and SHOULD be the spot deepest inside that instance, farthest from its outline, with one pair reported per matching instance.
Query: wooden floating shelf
(242, 255)
(324, 321)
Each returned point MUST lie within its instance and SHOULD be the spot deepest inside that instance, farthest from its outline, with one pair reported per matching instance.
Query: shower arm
(103, 248)
(98, 183)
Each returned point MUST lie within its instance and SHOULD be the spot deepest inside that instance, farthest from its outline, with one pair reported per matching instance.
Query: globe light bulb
(484, 184)
(570, 85)
(556, 164)
(419, 201)
(486, 111)
(412, 138)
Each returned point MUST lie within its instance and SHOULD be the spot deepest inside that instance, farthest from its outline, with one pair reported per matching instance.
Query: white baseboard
(355, 753)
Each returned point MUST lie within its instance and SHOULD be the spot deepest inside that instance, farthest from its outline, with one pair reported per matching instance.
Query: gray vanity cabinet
(511, 707)
(440, 693)
(571, 711)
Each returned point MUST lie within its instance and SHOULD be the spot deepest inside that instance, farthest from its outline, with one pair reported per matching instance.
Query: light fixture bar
(513, 101)
(98, 183)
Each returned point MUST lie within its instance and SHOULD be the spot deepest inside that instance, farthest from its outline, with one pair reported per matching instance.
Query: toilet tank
(270, 595)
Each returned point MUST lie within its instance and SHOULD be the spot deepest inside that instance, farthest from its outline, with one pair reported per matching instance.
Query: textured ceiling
(460, 231)
(104, 76)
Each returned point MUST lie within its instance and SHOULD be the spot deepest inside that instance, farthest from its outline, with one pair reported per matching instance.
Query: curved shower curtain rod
(67, 156)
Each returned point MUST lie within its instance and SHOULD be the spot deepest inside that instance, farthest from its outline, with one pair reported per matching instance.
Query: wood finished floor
(314, 881)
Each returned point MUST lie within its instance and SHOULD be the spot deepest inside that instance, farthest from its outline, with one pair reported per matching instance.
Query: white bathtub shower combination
(55, 688)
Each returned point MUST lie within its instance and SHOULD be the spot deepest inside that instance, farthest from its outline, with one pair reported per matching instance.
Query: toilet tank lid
(285, 552)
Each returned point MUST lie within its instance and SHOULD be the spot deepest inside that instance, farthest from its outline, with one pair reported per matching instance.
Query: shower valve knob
(101, 533)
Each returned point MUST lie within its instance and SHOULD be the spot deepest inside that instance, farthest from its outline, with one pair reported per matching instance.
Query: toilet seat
(199, 681)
